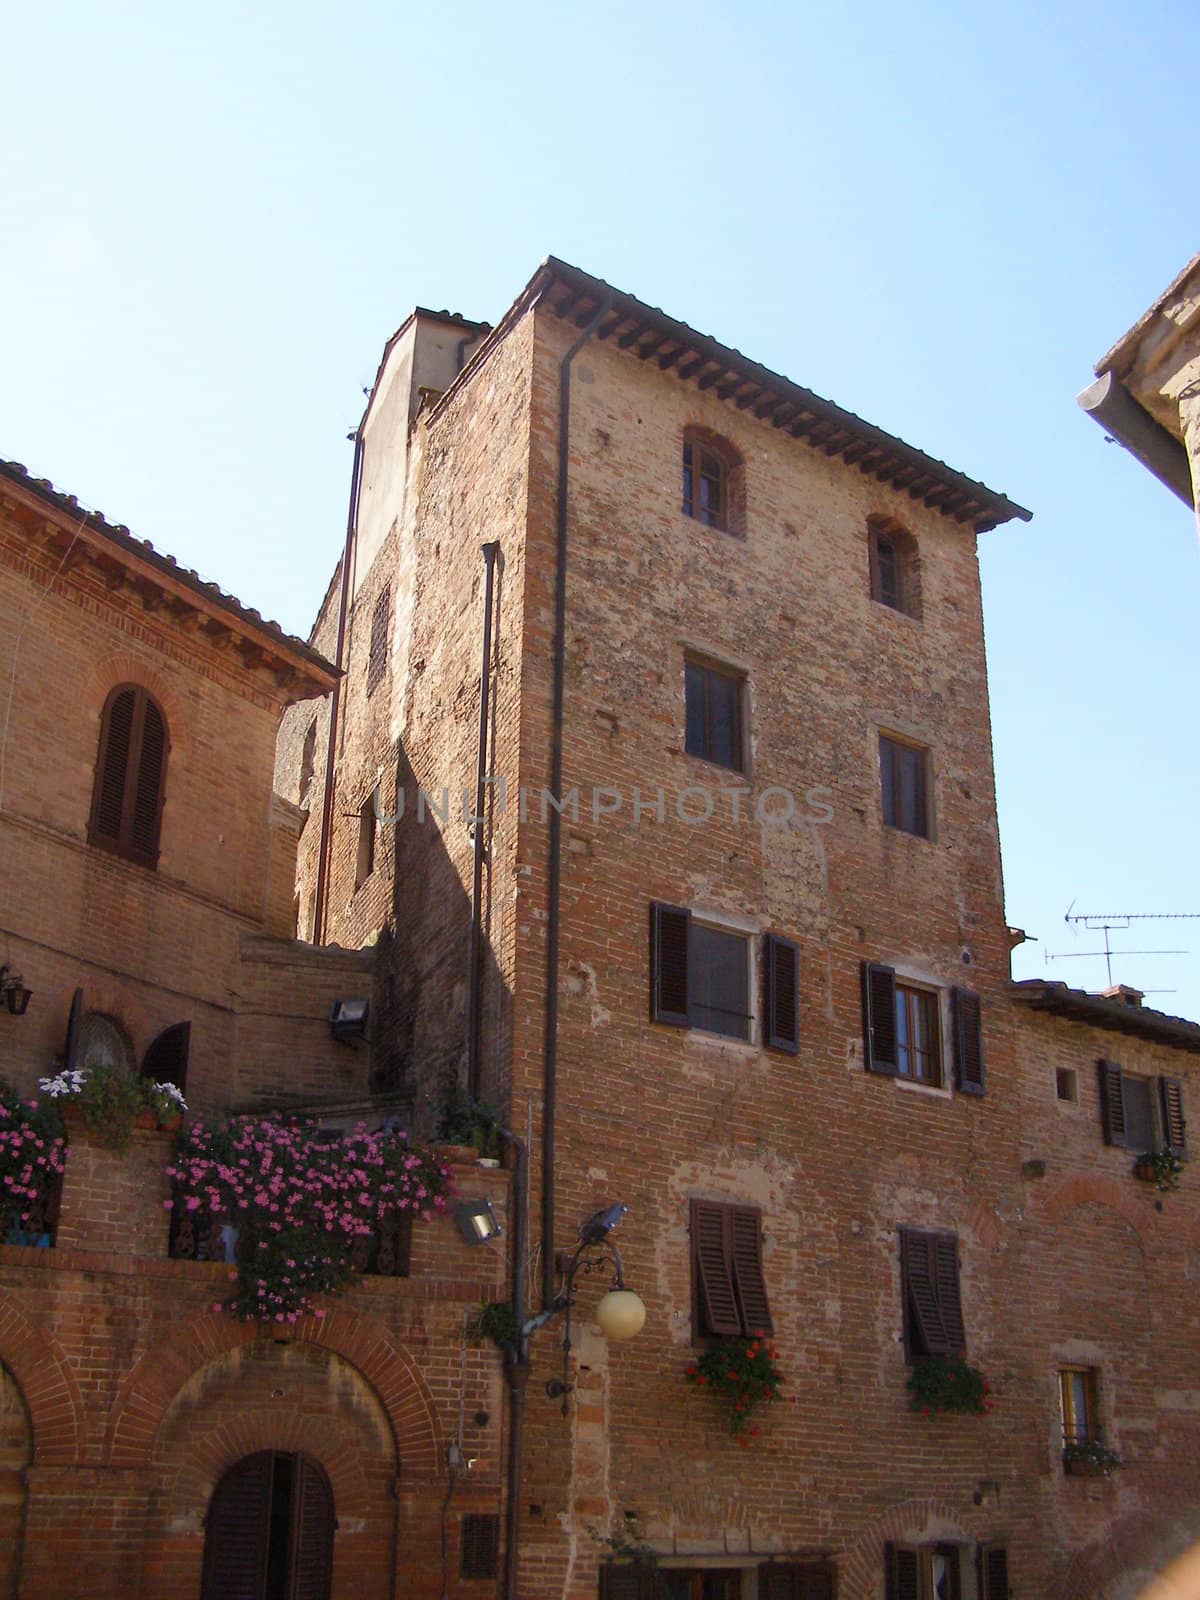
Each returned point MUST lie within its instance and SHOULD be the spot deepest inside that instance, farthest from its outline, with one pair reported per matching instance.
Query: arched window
(711, 481)
(166, 1061)
(131, 771)
(102, 1042)
(269, 1531)
(895, 569)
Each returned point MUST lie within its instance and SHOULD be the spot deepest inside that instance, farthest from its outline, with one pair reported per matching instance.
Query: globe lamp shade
(620, 1314)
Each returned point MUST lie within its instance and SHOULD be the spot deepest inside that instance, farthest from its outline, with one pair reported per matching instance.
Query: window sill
(907, 833)
(934, 1091)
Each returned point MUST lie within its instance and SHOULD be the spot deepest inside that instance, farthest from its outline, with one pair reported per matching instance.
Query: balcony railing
(204, 1235)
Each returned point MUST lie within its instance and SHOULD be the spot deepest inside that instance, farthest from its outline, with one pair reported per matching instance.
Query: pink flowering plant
(32, 1157)
(299, 1198)
(745, 1372)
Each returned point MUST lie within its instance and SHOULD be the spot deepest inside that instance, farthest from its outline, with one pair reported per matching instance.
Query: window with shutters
(1077, 1404)
(131, 775)
(929, 1286)
(480, 1545)
(713, 700)
(713, 488)
(904, 780)
(923, 1572)
(1141, 1114)
(729, 1291)
(269, 1531)
(814, 1578)
(903, 1035)
(894, 566)
(377, 655)
(700, 978)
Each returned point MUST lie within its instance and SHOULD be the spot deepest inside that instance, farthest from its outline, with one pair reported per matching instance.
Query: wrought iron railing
(203, 1235)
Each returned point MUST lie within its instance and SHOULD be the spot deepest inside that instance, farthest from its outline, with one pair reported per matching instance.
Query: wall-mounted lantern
(13, 992)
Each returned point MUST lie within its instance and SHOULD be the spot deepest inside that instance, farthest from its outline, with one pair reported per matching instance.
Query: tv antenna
(1107, 922)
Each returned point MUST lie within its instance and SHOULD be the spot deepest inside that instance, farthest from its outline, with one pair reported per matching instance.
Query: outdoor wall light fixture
(477, 1221)
(348, 1020)
(619, 1312)
(15, 995)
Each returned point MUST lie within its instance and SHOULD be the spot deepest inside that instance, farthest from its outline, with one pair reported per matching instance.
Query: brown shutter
(312, 1533)
(112, 766)
(992, 1563)
(146, 808)
(1174, 1122)
(968, 1041)
(74, 1032)
(625, 1581)
(712, 1264)
(236, 1531)
(945, 1259)
(902, 1576)
(918, 1274)
(1112, 1103)
(746, 1227)
(879, 1019)
(781, 1007)
(480, 1545)
(669, 929)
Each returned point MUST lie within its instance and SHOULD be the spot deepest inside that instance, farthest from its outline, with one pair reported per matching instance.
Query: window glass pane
(724, 722)
(1139, 1114)
(719, 980)
(696, 743)
(887, 773)
(903, 1060)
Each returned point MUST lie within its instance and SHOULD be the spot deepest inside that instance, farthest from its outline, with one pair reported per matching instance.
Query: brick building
(726, 941)
(146, 923)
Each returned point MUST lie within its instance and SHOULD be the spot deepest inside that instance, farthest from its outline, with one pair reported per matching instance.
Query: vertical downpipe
(475, 966)
(550, 1054)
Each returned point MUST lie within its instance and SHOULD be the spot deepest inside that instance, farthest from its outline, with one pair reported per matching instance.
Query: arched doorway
(269, 1531)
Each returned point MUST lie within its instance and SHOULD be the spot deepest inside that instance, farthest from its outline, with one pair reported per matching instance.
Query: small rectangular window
(1066, 1085)
(1077, 1404)
(713, 698)
(903, 770)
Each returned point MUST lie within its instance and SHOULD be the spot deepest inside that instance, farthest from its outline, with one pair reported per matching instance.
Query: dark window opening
(706, 475)
(895, 569)
(308, 762)
(713, 699)
(131, 772)
(166, 1060)
(1065, 1084)
(480, 1545)
(377, 655)
(269, 1531)
(364, 864)
(903, 770)
(923, 1572)
(700, 975)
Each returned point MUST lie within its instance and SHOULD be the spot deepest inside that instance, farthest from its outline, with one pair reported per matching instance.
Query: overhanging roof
(653, 337)
(1077, 1005)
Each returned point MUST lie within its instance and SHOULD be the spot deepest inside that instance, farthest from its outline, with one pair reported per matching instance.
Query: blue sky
(938, 215)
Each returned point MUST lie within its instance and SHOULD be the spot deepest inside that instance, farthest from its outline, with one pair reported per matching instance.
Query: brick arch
(161, 1372)
(1089, 1189)
(47, 1385)
(128, 666)
(862, 1572)
(210, 1455)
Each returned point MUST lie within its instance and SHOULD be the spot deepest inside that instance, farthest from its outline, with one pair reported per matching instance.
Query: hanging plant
(109, 1099)
(299, 1198)
(948, 1383)
(32, 1158)
(744, 1371)
(1159, 1167)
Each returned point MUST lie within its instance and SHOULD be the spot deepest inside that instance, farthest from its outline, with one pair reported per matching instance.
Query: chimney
(1123, 993)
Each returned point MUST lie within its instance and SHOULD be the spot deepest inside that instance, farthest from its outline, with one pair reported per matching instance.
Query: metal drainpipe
(475, 966)
(556, 767)
(516, 1366)
(336, 701)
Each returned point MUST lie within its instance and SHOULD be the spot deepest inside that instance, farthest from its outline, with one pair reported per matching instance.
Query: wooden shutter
(797, 1580)
(480, 1545)
(669, 930)
(381, 616)
(919, 1283)
(992, 1565)
(901, 1572)
(1112, 1103)
(879, 1019)
(945, 1264)
(968, 1041)
(625, 1581)
(712, 1266)
(112, 766)
(145, 816)
(236, 1531)
(74, 1032)
(746, 1226)
(781, 1000)
(1174, 1123)
(312, 1533)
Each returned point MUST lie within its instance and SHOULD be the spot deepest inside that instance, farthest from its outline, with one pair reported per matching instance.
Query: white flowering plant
(109, 1099)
